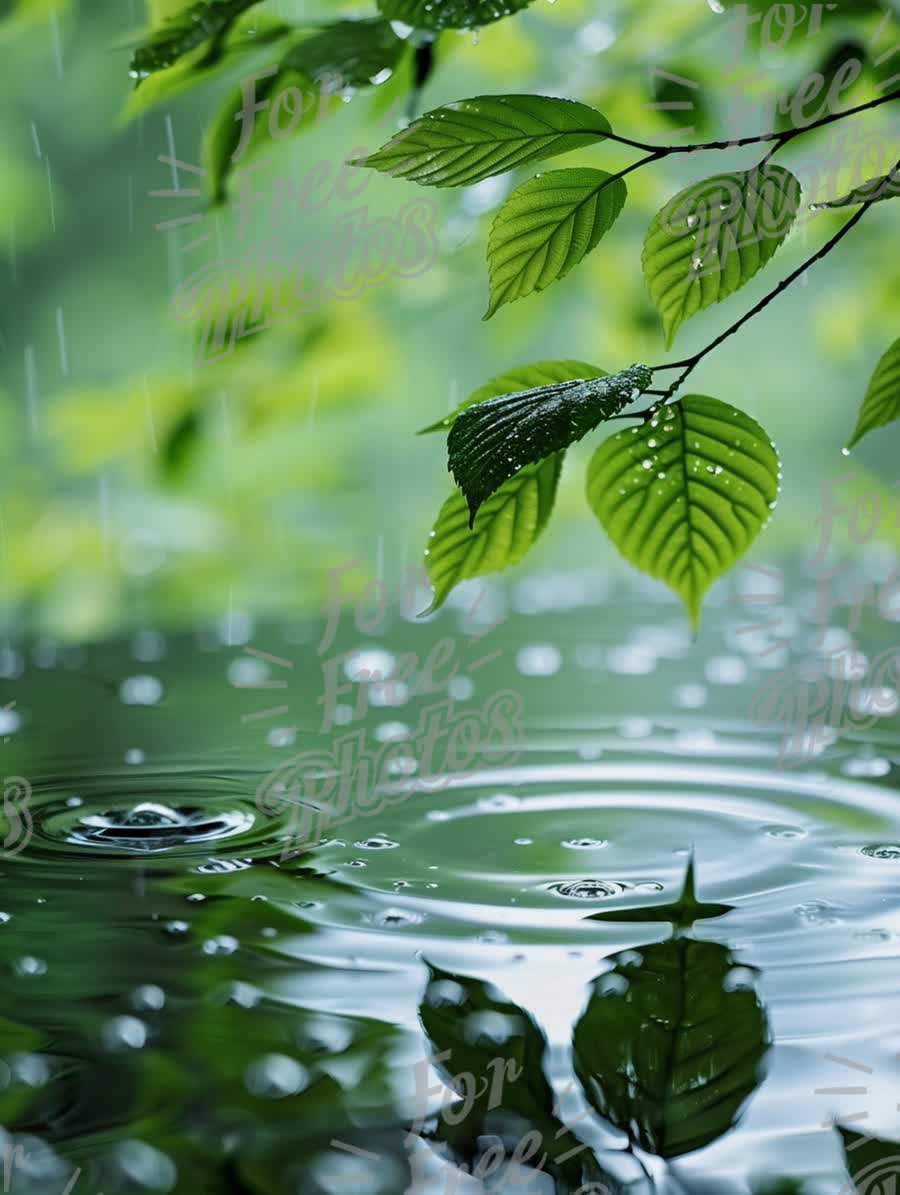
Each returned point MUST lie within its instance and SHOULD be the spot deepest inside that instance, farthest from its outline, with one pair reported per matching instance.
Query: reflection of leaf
(881, 404)
(514, 381)
(180, 445)
(671, 1044)
(508, 524)
(494, 1060)
(546, 227)
(873, 1165)
(684, 496)
(449, 14)
(473, 139)
(681, 915)
(492, 440)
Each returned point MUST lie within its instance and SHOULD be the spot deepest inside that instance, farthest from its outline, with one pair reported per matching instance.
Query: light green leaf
(546, 227)
(873, 190)
(473, 139)
(449, 14)
(685, 495)
(514, 381)
(713, 237)
(492, 440)
(509, 522)
(881, 404)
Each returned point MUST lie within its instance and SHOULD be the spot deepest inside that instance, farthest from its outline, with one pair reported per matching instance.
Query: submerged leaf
(492, 440)
(684, 496)
(711, 238)
(881, 404)
(546, 227)
(873, 1165)
(508, 525)
(671, 1044)
(473, 139)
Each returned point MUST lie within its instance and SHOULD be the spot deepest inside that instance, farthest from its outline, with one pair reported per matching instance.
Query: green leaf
(681, 915)
(492, 440)
(713, 237)
(449, 14)
(671, 1045)
(546, 227)
(873, 1165)
(684, 496)
(294, 103)
(508, 524)
(873, 190)
(525, 377)
(353, 52)
(881, 404)
(206, 21)
(474, 139)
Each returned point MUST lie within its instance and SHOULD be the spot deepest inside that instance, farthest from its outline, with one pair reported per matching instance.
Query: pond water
(257, 879)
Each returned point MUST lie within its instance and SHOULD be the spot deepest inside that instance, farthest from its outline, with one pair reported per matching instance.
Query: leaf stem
(781, 138)
(689, 364)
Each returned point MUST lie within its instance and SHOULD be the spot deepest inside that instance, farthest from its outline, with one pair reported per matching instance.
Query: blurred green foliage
(142, 486)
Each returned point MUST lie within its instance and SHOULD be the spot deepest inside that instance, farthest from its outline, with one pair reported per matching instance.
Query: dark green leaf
(681, 915)
(547, 226)
(881, 404)
(353, 53)
(493, 1057)
(873, 190)
(180, 445)
(492, 440)
(711, 238)
(873, 1165)
(206, 21)
(525, 377)
(684, 496)
(671, 1045)
(508, 524)
(473, 139)
(449, 14)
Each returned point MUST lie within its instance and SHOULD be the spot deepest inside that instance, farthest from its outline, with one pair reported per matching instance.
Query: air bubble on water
(74, 802)
(739, 979)
(222, 944)
(690, 696)
(818, 912)
(726, 670)
(143, 1166)
(881, 850)
(460, 688)
(240, 994)
(196, 897)
(281, 736)
(866, 765)
(30, 1069)
(392, 732)
(589, 889)
(538, 659)
(368, 664)
(140, 690)
(776, 831)
(124, 1033)
(499, 803)
(149, 997)
(9, 721)
(396, 918)
(275, 1076)
(584, 844)
(177, 927)
(376, 843)
(5, 917)
(134, 756)
(29, 965)
(523, 841)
